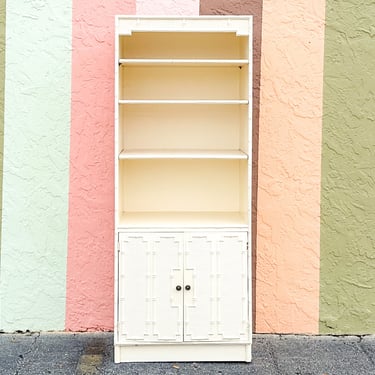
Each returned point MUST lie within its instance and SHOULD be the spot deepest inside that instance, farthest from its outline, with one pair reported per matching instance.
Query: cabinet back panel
(180, 126)
(180, 82)
(180, 185)
(183, 46)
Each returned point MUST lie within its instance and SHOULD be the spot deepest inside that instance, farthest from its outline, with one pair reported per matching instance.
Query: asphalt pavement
(92, 354)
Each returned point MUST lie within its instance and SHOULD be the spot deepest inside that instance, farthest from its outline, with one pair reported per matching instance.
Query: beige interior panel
(180, 185)
(183, 46)
(180, 82)
(171, 126)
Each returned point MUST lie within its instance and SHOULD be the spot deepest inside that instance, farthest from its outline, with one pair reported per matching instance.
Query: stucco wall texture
(313, 208)
(288, 207)
(2, 84)
(36, 165)
(89, 302)
(347, 301)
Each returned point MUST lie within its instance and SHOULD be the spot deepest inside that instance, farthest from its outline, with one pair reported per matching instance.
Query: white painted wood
(134, 304)
(185, 62)
(183, 160)
(236, 24)
(183, 101)
(199, 304)
(184, 352)
(167, 275)
(182, 154)
(219, 45)
(216, 305)
(150, 268)
(158, 220)
(232, 287)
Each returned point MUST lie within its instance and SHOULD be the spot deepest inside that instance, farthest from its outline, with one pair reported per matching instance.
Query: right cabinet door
(216, 295)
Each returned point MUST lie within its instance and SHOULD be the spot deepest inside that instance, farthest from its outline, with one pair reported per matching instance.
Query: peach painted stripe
(287, 269)
(89, 303)
(168, 7)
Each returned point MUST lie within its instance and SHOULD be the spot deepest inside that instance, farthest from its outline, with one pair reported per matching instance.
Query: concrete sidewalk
(92, 353)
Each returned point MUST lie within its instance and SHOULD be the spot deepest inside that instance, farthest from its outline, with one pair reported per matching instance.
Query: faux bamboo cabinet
(183, 188)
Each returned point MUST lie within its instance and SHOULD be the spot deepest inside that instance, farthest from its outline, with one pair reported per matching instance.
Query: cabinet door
(150, 268)
(216, 302)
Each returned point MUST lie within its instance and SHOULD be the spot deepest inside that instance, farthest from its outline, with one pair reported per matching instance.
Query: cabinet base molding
(183, 353)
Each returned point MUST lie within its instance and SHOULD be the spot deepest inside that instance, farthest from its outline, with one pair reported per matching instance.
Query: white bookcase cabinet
(183, 114)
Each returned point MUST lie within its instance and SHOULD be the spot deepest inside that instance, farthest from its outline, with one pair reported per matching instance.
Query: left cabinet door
(150, 300)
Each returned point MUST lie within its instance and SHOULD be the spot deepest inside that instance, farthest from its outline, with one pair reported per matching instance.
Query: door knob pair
(187, 287)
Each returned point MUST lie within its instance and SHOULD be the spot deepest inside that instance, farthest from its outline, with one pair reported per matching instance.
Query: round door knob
(187, 287)
(178, 287)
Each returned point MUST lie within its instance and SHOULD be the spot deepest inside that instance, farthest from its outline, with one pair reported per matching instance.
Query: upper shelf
(185, 62)
(182, 154)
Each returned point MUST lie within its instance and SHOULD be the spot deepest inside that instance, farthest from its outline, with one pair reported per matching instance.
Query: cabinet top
(241, 25)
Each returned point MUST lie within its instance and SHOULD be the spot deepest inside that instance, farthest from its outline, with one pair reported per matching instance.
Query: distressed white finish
(183, 189)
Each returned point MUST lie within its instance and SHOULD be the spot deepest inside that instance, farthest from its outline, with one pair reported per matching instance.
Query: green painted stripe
(2, 83)
(347, 301)
(36, 165)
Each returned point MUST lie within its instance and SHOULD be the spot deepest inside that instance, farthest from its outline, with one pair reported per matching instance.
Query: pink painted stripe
(89, 303)
(168, 7)
(287, 269)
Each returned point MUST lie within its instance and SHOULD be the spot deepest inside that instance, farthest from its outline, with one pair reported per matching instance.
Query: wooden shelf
(182, 220)
(182, 101)
(182, 154)
(185, 62)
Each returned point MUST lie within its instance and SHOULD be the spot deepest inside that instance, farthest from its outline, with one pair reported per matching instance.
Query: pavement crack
(21, 356)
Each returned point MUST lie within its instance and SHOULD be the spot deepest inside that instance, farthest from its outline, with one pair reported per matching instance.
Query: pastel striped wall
(89, 303)
(312, 204)
(36, 165)
(2, 84)
(288, 205)
(347, 303)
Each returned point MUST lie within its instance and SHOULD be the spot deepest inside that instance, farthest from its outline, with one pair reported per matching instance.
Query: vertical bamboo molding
(90, 273)
(36, 160)
(287, 273)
